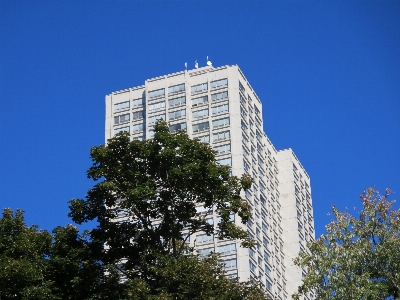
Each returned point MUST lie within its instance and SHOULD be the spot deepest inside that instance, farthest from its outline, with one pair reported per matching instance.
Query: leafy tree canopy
(155, 187)
(23, 252)
(188, 277)
(146, 203)
(358, 257)
(35, 264)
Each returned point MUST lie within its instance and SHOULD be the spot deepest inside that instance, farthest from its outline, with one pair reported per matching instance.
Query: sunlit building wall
(218, 106)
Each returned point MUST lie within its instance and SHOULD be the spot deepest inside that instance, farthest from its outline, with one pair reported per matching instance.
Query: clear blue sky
(327, 72)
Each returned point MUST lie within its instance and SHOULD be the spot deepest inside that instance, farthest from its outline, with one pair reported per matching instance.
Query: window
(223, 135)
(243, 112)
(176, 127)
(248, 196)
(265, 241)
(176, 89)
(229, 263)
(225, 161)
(204, 238)
(241, 87)
(219, 96)
(199, 88)
(156, 93)
(258, 122)
(186, 237)
(203, 210)
(151, 134)
(177, 114)
(227, 249)
(244, 138)
(118, 130)
(204, 139)
(252, 266)
(200, 113)
(210, 221)
(138, 128)
(121, 106)
(220, 109)
(262, 199)
(243, 124)
(157, 106)
(200, 101)
(177, 101)
(155, 118)
(206, 251)
(256, 110)
(267, 270)
(231, 218)
(223, 148)
(138, 102)
(139, 138)
(242, 99)
(121, 119)
(138, 115)
(245, 152)
(221, 122)
(263, 214)
(219, 83)
(266, 256)
(251, 252)
(264, 227)
(201, 126)
(258, 135)
(246, 166)
(268, 284)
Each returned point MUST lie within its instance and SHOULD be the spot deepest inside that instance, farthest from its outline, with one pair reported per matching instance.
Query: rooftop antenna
(209, 63)
(186, 66)
(196, 65)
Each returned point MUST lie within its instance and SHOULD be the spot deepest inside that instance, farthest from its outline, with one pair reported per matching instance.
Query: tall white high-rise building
(218, 106)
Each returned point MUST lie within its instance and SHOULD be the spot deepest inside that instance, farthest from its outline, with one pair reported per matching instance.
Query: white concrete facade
(219, 107)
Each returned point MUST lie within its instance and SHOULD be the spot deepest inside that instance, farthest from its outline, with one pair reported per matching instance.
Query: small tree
(23, 265)
(76, 270)
(37, 265)
(357, 258)
(157, 185)
(188, 277)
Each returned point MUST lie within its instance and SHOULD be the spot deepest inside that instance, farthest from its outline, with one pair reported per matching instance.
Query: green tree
(358, 257)
(37, 265)
(188, 277)
(75, 266)
(154, 187)
(160, 181)
(23, 264)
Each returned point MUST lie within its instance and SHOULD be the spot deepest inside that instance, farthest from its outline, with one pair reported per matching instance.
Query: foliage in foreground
(155, 189)
(187, 277)
(35, 264)
(358, 257)
(65, 265)
(165, 179)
